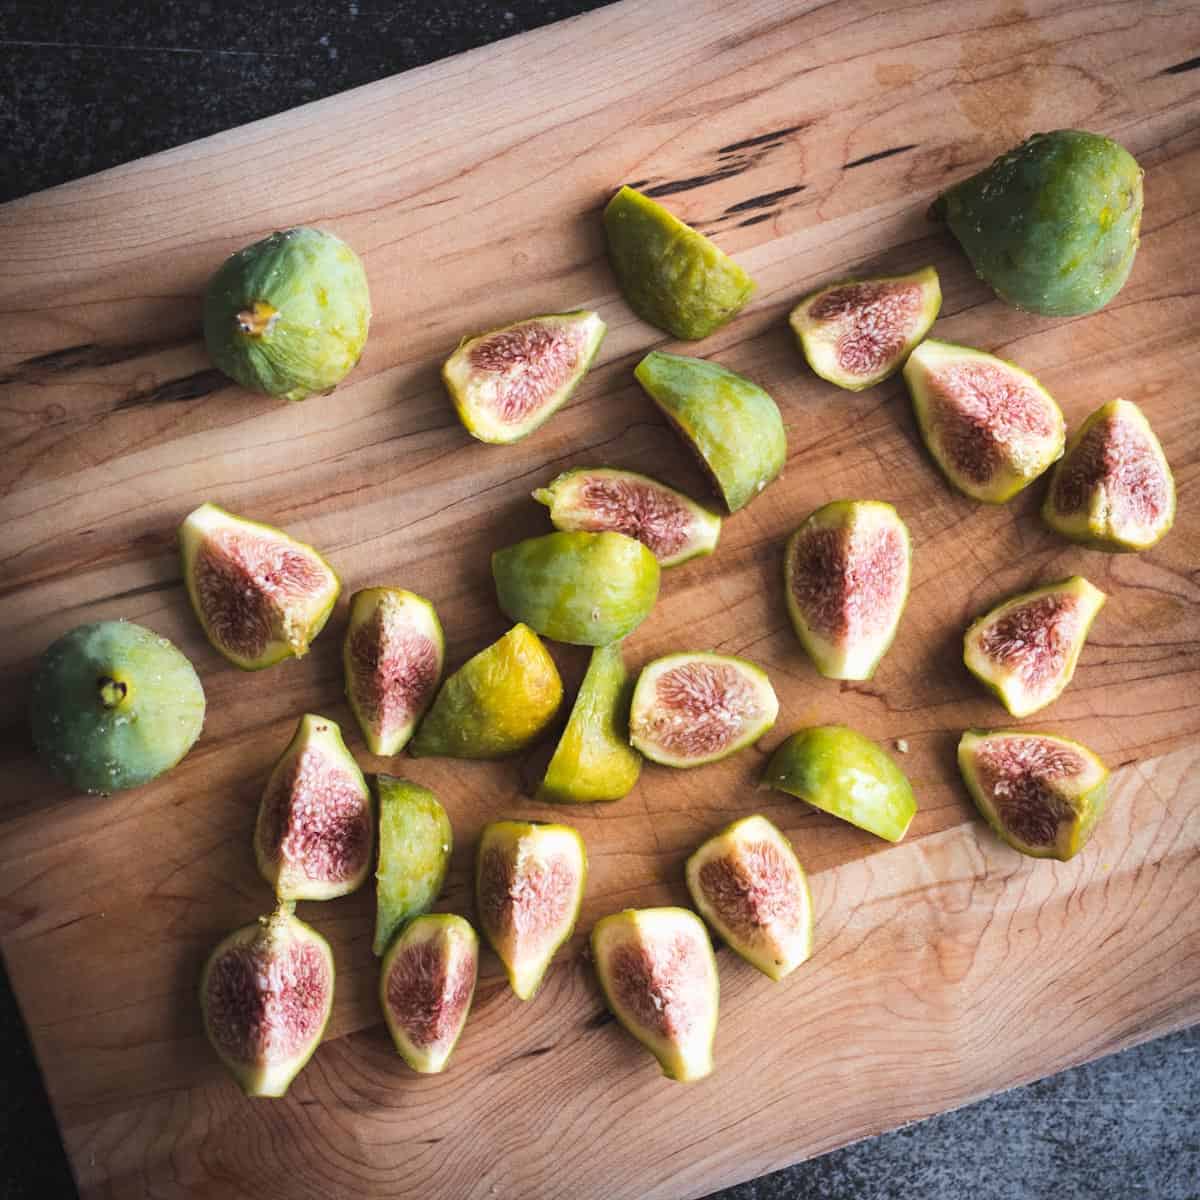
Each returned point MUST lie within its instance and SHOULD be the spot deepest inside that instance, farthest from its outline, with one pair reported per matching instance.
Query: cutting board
(808, 140)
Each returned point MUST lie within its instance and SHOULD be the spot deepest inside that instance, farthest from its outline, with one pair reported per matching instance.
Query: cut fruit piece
(990, 426)
(731, 424)
(426, 986)
(260, 595)
(594, 499)
(659, 976)
(858, 332)
(495, 703)
(1113, 490)
(266, 993)
(749, 886)
(315, 829)
(847, 775)
(1026, 648)
(845, 573)
(694, 708)
(507, 382)
(392, 658)
(529, 880)
(671, 275)
(1041, 794)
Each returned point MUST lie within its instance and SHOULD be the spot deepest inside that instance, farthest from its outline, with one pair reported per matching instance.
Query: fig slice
(1041, 794)
(508, 381)
(846, 572)
(847, 775)
(260, 595)
(392, 658)
(496, 703)
(749, 886)
(858, 332)
(659, 976)
(1026, 648)
(694, 708)
(990, 426)
(730, 423)
(1113, 490)
(426, 985)
(315, 829)
(266, 993)
(415, 840)
(529, 881)
(673, 526)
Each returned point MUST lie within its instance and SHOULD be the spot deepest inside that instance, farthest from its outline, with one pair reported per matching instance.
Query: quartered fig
(529, 880)
(593, 760)
(266, 993)
(426, 986)
(508, 381)
(585, 588)
(1113, 489)
(260, 595)
(659, 976)
(594, 499)
(858, 332)
(1041, 794)
(694, 708)
(1026, 648)
(846, 572)
(315, 829)
(847, 775)
(991, 427)
(671, 275)
(392, 658)
(749, 886)
(731, 424)
(495, 703)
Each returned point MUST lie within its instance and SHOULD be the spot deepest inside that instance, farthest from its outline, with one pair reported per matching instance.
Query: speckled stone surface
(88, 85)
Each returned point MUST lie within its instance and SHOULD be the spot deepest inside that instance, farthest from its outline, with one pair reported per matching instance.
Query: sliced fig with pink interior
(990, 426)
(1113, 489)
(659, 976)
(1026, 648)
(508, 381)
(266, 993)
(315, 829)
(529, 881)
(260, 595)
(1042, 794)
(858, 332)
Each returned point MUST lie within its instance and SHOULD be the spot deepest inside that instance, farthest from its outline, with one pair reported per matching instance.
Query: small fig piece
(529, 881)
(858, 332)
(1041, 794)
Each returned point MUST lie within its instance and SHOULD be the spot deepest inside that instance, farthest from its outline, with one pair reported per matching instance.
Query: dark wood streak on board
(763, 201)
(187, 387)
(1189, 64)
(870, 158)
(756, 220)
(763, 138)
(697, 181)
(88, 354)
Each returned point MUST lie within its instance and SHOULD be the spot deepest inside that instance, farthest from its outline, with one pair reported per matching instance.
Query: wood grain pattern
(808, 139)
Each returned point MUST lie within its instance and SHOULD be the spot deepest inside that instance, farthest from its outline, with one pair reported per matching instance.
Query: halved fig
(1113, 490)
(674, 527)
(495, 703)
(858, 332)
(266, 993)
(750, 887)
(529, 880)
(315, 829)
(659, 976)
(1026, 648)
(1041, 794)
(990, 426)
(845, 573)
(426, 986)
(508, 381)
(694, 708)
(260, 595)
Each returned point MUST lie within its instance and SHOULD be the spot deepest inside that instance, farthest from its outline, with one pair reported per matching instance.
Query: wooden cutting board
(809, 140)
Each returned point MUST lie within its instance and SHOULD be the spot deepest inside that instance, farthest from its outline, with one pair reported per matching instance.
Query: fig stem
(112, 691)
(256, 320)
